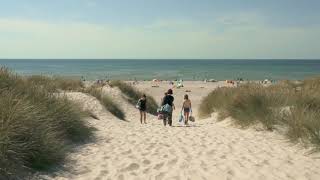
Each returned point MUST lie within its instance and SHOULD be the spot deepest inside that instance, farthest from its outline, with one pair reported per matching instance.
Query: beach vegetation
(56, 83)
(37, 127)
(106, 101)
(293, 105)
(132, 95)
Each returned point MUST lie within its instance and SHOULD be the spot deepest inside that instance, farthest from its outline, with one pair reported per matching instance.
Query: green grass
(36, 127)
(293, 105)
(106, 101)
(133, 95)
(56, 83)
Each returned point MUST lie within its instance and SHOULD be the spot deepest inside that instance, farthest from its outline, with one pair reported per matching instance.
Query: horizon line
(159, 58)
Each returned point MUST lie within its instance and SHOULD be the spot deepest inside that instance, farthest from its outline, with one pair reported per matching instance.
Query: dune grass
(304, 117)
(293, 105)
(106, 101)
(36, 127)
(56, 83)
(133, 95)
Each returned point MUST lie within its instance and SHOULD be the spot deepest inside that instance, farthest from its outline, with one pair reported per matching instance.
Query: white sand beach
(206, 150)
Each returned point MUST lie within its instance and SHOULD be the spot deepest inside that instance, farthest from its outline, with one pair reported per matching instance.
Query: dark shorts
(143, 109)
(186, 110)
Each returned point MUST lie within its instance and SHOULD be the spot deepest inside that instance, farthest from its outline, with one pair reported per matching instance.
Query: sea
(167, 69)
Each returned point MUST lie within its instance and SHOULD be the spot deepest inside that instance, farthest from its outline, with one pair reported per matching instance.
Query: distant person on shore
(186, 108)
(168, 105)
(135, 81)
(142, 106)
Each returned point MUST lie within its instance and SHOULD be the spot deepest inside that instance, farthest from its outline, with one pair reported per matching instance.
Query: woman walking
(142, 106)
(186, 108)
(169, 106)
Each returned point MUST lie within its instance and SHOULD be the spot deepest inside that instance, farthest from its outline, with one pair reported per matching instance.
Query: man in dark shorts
(168, 99)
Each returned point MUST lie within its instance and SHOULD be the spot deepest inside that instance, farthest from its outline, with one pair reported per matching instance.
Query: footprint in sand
(173, 161)
(133, 174)
(165, 156)
(146, 162)
(203, 165)
(230, 172)
(104, 172)
(223, 157)
(211, 152)
(160, 176)
(126, 152)
(120, 177)
(184, 150)
(106, 157)
(131, 167)
(158, 166)
(145, 171)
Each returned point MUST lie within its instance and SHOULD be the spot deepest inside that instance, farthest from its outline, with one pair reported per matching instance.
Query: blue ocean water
(167, 69)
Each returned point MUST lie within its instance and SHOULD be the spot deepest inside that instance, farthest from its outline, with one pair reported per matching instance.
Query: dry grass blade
(36, 128)
(291, 104)
(133, 95)
(106, 101)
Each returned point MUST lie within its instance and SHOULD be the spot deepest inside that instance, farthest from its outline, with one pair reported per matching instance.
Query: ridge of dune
(88, 102)
(206, 150)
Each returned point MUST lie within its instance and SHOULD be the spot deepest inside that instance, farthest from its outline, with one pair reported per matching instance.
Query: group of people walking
(166, 108)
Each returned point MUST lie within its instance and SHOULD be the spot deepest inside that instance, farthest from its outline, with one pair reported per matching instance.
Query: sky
(156, 29)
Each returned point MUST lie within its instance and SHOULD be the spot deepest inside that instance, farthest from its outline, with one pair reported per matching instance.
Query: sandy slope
(207, 150)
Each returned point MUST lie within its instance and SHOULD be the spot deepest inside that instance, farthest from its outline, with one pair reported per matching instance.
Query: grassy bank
(133, 95)
(56, 83)
(36, 127)
(106, 101)
(295, 106)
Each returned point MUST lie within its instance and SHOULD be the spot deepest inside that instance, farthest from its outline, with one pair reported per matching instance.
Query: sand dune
(206, 150)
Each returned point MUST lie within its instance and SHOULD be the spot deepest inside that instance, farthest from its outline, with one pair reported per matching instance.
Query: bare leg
(170, 119)
(145, 118)
(165, 119)
(141, 117)
(186, 115)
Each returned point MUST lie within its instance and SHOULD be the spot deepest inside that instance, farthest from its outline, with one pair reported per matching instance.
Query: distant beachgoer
(186, 108)
(168, 100)
(180, 83)
(142, 106)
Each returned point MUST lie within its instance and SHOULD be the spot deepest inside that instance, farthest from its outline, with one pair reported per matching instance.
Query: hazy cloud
(242, 37)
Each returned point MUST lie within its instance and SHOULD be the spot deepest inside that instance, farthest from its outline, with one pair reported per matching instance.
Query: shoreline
(168, 69)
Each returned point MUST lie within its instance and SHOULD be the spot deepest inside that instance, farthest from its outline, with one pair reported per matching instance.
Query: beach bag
(159, 110)
(181, 118)
(160, 116)
(191, 118)
(138, 105)
(166, 108)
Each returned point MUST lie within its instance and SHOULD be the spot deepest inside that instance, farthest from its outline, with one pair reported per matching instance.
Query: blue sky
(160, 29)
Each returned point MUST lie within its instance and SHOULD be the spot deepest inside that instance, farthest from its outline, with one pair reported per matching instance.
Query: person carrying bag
(167, 108)
(186, 108)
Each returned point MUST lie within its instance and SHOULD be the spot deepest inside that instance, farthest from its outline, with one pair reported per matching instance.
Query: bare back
(187, 103)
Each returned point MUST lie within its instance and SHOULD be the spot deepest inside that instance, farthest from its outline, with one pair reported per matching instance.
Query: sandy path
(207, 150)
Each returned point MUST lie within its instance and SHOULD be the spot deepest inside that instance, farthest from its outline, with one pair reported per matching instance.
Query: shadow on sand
(188, 126)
